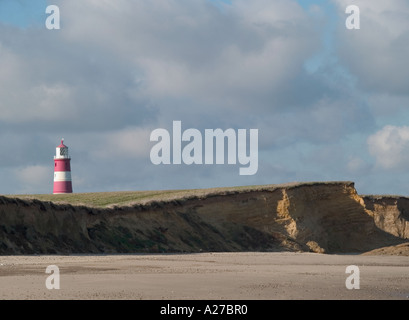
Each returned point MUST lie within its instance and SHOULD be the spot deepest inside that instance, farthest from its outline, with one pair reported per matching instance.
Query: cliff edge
(324, 217)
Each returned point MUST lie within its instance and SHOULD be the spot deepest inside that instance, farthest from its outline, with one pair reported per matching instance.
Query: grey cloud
(192, 50)
(377, 53)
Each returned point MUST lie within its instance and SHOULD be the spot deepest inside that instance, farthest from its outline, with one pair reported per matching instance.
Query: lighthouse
(62, 170)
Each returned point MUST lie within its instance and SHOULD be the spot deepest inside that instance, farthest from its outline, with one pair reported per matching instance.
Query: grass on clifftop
(125, 198)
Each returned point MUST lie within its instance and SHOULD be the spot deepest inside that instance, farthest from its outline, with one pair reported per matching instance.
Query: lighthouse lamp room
(62, 170)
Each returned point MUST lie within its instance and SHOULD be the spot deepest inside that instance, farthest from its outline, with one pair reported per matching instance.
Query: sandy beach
(247, 276)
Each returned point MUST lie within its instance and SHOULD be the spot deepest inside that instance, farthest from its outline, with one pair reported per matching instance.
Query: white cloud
(390, 147)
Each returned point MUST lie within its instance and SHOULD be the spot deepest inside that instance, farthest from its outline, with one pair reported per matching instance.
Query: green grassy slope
(125, 198)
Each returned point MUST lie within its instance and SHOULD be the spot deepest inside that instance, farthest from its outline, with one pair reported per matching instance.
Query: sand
(228, 276)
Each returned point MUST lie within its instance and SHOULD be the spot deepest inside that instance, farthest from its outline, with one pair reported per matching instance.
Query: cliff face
(320, 217)
(390, 213)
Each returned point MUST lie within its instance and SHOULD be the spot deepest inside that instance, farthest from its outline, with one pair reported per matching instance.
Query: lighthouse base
(62, 187)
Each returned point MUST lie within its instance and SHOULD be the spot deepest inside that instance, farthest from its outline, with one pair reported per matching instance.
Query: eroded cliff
(327, 217)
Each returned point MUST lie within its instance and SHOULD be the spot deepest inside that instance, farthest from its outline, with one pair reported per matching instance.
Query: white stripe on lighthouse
(62, 176)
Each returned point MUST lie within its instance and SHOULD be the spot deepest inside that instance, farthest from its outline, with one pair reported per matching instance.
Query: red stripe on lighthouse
(62, 165)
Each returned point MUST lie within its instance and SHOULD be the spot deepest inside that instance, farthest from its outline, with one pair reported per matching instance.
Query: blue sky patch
(22, 13)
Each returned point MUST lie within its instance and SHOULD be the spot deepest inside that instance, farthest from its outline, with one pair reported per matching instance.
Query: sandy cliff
(321, 217)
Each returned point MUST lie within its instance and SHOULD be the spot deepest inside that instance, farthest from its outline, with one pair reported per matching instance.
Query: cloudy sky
(329, 103)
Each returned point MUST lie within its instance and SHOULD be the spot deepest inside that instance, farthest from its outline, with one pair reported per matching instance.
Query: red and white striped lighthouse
(62, 170)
